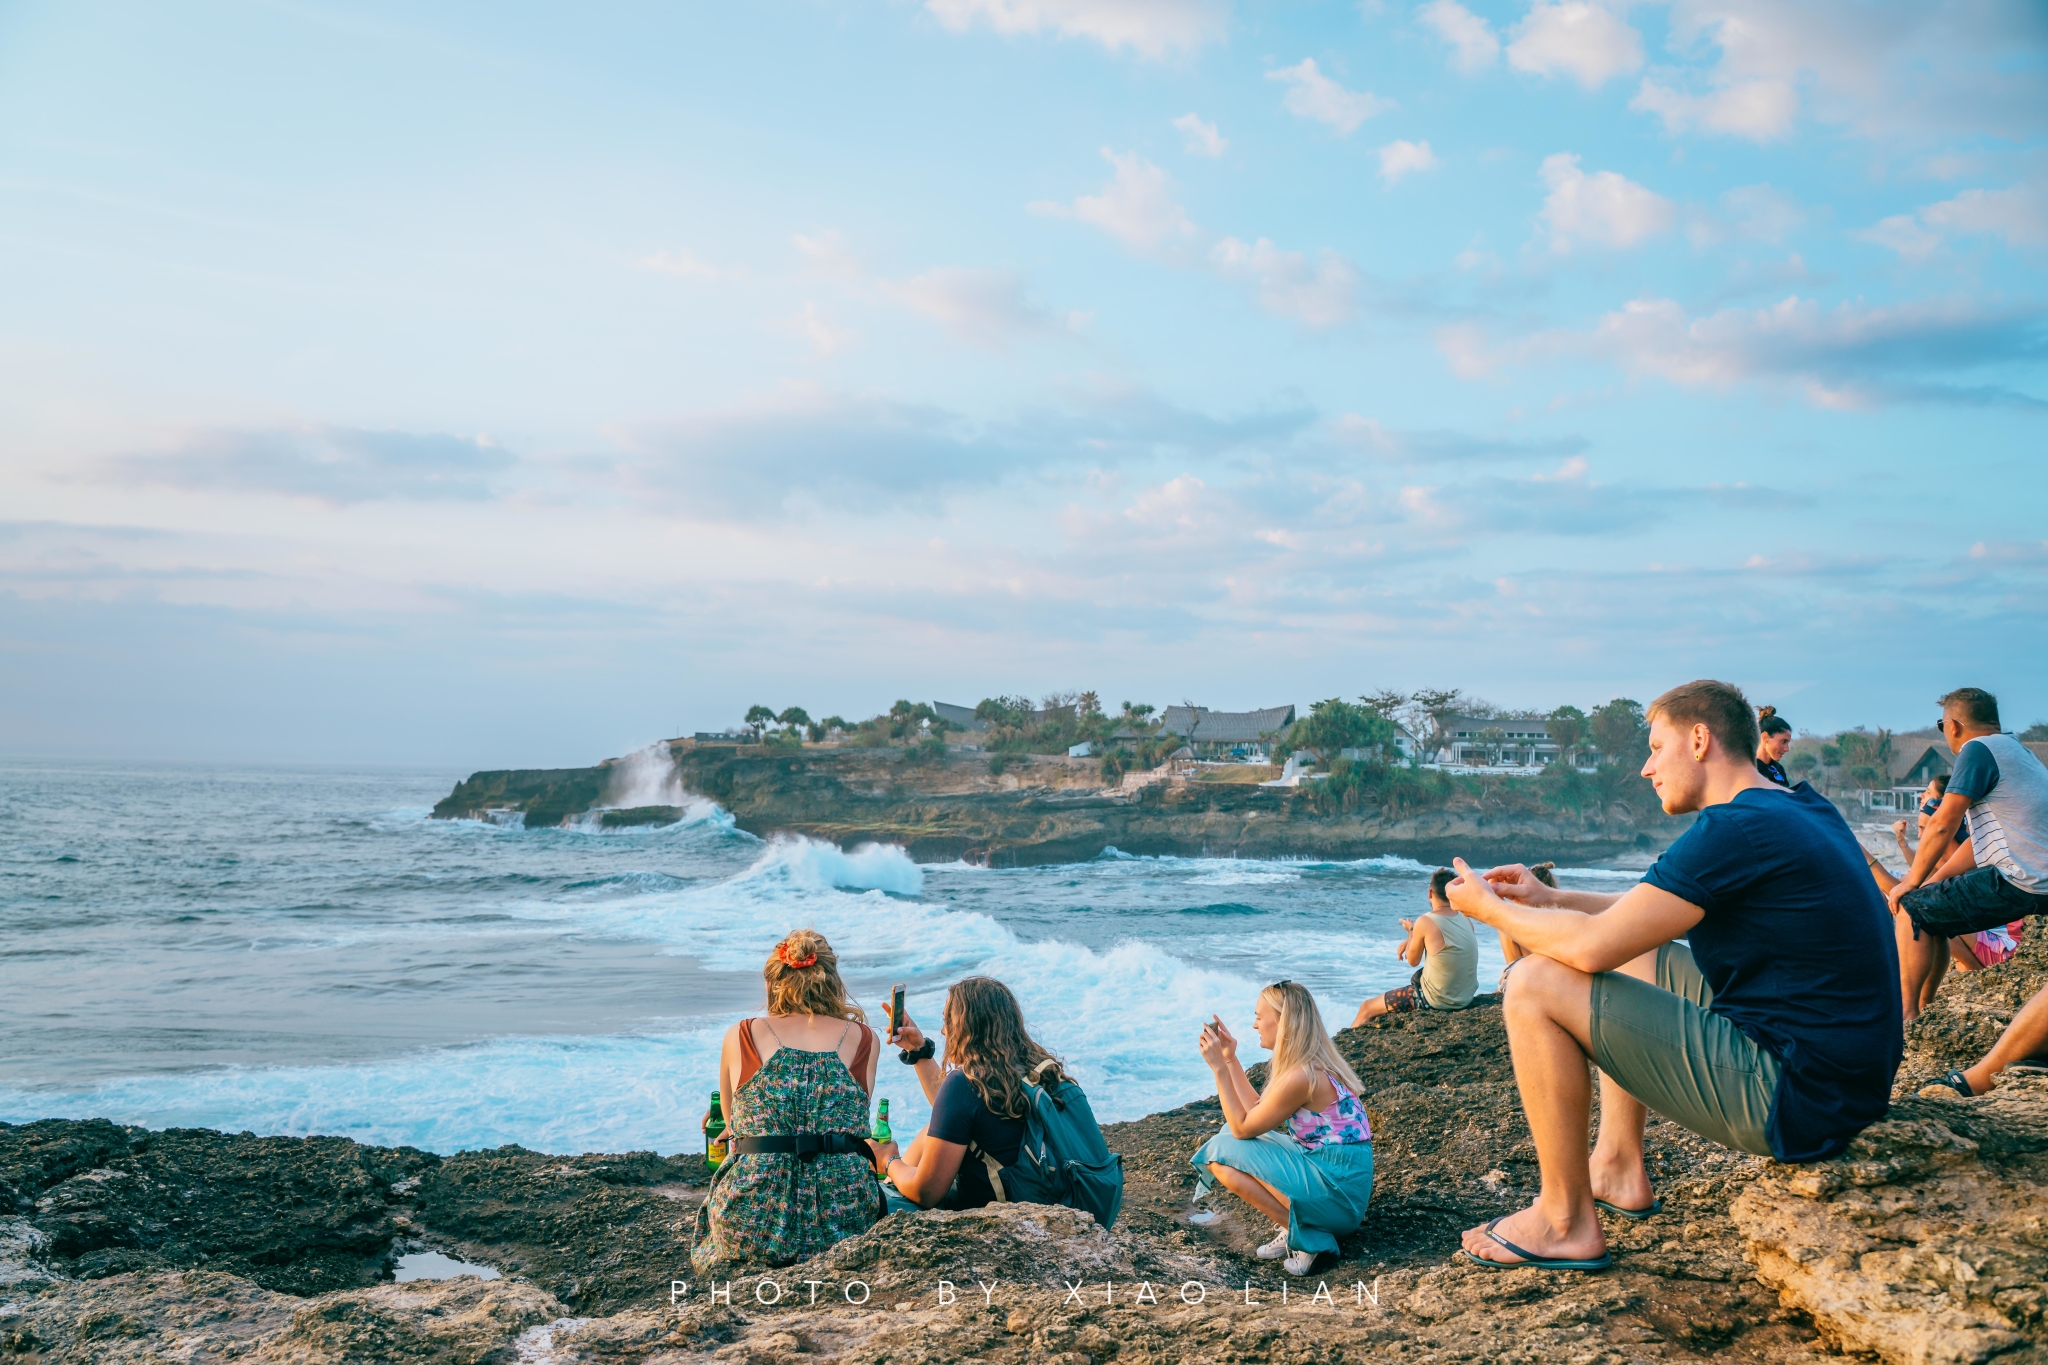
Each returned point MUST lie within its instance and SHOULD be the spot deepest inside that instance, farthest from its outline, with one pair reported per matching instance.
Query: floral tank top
(1342, 1123)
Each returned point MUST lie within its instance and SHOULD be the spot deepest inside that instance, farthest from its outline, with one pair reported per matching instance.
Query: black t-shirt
(1796, 944)
(958, 1115)
(1771, 768)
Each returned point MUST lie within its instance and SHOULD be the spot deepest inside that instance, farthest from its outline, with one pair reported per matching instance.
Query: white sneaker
(1298, 1263)
(1275, 1249)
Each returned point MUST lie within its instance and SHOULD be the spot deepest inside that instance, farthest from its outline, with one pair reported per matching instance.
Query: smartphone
(896, 1009)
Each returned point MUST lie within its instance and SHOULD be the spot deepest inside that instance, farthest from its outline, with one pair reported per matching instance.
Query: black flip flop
(1955, 1081)
(1530, 1259)
(1656, 1207)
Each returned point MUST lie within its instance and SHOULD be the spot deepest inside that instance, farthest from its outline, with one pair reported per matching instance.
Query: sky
(511, 385)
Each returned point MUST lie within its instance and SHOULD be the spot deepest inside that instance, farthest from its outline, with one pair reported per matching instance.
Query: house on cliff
(1216, 732)
(1497, 742)
(959, 718)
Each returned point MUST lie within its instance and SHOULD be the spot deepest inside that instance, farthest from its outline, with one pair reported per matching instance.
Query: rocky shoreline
(1923, 1243)
(1042, 810)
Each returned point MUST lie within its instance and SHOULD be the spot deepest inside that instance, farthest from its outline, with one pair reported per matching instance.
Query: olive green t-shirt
(1450, 978)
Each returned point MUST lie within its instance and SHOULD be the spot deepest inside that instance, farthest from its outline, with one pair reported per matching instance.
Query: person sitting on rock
(1301, 1151)
(1444, 950)
(1966, 952)
(2023, 1046)
(2002, 789)
(1770, 1030)
(978, 1102)
(794, 1088)
(1512, 952)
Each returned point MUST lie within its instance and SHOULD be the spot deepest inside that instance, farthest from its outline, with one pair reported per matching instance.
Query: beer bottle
(882, 1133)
(714, 1134)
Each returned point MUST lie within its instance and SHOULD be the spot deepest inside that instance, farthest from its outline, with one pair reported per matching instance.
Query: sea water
(304, 951)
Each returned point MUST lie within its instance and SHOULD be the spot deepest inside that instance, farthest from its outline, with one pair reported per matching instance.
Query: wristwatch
(911, 1056)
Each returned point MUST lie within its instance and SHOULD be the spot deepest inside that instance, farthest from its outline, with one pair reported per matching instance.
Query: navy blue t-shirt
(1796, 944)
(959, 1115)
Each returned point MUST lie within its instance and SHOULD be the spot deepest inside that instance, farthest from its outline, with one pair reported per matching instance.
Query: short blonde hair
(1303, 1041)
(814, 986)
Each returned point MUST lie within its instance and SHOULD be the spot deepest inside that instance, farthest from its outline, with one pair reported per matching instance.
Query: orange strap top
(750, 1057)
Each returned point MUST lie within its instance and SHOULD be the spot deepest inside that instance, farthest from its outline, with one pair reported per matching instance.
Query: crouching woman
(1301, 1153)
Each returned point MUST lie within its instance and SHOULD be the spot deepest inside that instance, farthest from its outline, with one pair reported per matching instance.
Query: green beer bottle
(882, 1133)
(714, 1134)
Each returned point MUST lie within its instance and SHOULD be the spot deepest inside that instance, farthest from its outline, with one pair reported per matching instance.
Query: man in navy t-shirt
(1774, 1029)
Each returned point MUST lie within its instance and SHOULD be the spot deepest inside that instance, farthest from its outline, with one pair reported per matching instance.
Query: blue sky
(510, 384)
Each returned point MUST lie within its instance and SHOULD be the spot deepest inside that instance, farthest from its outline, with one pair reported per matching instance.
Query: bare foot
(1580, 1240)
(1624, 1184)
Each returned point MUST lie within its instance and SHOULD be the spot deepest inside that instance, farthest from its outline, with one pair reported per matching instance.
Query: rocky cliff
(1051, 810)
(1926, 1242)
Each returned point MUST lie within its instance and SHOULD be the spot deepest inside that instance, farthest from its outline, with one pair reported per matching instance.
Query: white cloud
(2018, 214)
(827, 255)
(1903, 233)
(1853, 355)
(1882, 67)
(682, 262)
(1473, 46)
(1203, 139)
(1763, 212)
(1136, 207)
(1761, 110)
(1151, 28)
(1602, 209)
(825, 338)
(1585, 41)
(1312, 95)
(1320, 295)
(1400, 158)
(985, 307)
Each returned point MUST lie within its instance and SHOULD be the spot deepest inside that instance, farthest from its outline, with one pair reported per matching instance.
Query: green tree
(821, 728)
(2037, 733)
(1803, 762)
(1492, 739)
(1620, 733)
(795, 718)
(1333, 726)
(758, 719)
(1568, 729)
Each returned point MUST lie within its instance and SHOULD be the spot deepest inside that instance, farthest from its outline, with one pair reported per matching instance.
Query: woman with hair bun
(1774, 737)
(794, 1088)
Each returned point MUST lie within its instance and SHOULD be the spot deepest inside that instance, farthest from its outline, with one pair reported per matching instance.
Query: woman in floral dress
(806, 1069)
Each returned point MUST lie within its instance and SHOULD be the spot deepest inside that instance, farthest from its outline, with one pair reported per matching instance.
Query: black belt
(805, 1145)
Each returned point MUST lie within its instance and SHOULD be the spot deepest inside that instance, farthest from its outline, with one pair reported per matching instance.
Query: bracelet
(912, 1056)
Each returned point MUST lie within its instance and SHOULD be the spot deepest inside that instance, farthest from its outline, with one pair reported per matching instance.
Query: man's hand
(1899, 890)
(1515, 882)
(1408, 926)
(1472, 895)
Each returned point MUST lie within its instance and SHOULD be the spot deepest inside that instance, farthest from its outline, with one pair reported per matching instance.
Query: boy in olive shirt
(1444, 951)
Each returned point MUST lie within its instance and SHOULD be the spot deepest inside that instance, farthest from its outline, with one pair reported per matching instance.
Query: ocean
(302, 950)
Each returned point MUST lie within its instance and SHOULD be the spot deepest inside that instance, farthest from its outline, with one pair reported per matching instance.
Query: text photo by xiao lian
(768, 1292)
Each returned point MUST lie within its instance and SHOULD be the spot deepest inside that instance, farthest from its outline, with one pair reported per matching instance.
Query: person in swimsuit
(794, 1087)
(1301, 1152)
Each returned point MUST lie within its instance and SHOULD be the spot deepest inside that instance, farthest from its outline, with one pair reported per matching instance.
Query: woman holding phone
(1301, 1152)
(794, 1087)
(978, 1102)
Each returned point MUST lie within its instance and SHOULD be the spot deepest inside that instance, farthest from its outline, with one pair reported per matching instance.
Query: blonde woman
(794, 1088)
(1301, 1152)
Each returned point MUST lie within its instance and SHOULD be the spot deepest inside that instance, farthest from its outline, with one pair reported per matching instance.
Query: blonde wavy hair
(1303, 1041)
(814, 986)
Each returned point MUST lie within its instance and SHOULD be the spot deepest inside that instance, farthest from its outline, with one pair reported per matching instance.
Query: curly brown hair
(814, 989)
(986, 1039)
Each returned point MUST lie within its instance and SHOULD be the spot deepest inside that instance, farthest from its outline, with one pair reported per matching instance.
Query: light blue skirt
(1327, 1190)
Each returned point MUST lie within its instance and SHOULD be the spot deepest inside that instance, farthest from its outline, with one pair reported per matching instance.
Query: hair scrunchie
(788, 959)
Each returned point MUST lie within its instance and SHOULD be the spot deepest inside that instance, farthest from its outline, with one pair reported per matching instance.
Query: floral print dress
(777, 1208)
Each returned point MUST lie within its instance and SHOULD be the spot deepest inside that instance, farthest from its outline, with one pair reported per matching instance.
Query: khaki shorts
(1665, 1047)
